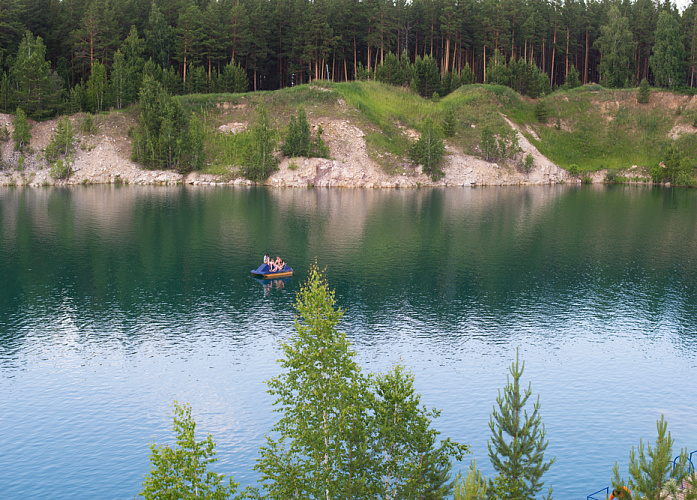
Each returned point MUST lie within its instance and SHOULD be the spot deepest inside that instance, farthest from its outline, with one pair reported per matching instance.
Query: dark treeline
(197, 45)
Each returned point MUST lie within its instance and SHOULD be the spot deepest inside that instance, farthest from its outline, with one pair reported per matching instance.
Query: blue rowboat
(265, 272)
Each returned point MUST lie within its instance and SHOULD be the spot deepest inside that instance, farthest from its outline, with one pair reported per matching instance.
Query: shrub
(449, 122)
(542, 111)
(573, 170)
(88, 126)
(22, 131)
(4, 134)
(643, 92)
(472, 486)
(61, 143)
(572, 80)
(299, 142)
(487, 144)
(183, 471)
(611, 177)
(426, 79)
(529, 163)
(61, 169)
(262, 162)
(429, 150)
(234, 79)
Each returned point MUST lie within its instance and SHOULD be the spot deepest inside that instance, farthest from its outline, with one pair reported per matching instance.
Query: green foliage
(21, 132)
(61, 143)
(234, 79)
(299, 141)
(162, 139)
(4, 134)
(643, 92)
(97, 88)
(429, 150)
(668, 54)
(36, 89)
(322, 396)
(61, 169)
(572, 80)
(651, 471)
(498, 72)
(342, 434)
(451, 82)
(262, 162)
(88, 126)
(182, 472)
(573, 170)
(517, 445)
(542, 111)
(472, 486)
(616, 43)
(529, 163)
(426, 78)
(449, 122)
(487, 144)
(395, 70)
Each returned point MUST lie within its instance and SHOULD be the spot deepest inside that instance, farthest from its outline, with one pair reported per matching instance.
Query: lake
(115, 301)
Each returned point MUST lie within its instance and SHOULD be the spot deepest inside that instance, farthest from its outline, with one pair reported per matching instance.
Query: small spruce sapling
(518, 443)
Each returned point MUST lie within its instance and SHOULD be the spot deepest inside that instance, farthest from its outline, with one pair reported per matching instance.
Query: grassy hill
(589, 128)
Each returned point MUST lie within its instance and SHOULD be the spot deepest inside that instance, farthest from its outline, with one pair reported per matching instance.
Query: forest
(69, 55)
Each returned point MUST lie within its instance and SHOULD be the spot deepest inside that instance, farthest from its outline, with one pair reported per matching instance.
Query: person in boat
(266, 258)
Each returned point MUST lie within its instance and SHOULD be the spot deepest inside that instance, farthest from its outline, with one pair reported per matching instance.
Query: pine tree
(517, 445)
(651, 472)
(34, 88)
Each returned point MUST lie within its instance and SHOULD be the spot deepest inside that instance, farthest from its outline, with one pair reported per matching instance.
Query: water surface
(116, 300)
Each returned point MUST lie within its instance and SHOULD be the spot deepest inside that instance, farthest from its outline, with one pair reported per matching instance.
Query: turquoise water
(116, 300)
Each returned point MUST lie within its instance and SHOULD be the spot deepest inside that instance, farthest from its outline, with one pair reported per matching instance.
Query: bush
(299, 142)
(487, 144)
(234, 79)
(529, 163)
(573, 170)
(449, 122)
(22, 131)
(643, 92)
(183, 471)
(262, 162)
(426, 79)
(61, 143)
(542, 111)
(572, 80)
(61, 169)
(162, 139)
(429, 151)
(88, 126)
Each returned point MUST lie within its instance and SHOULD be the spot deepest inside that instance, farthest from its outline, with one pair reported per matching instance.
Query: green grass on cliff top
(591, 127)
